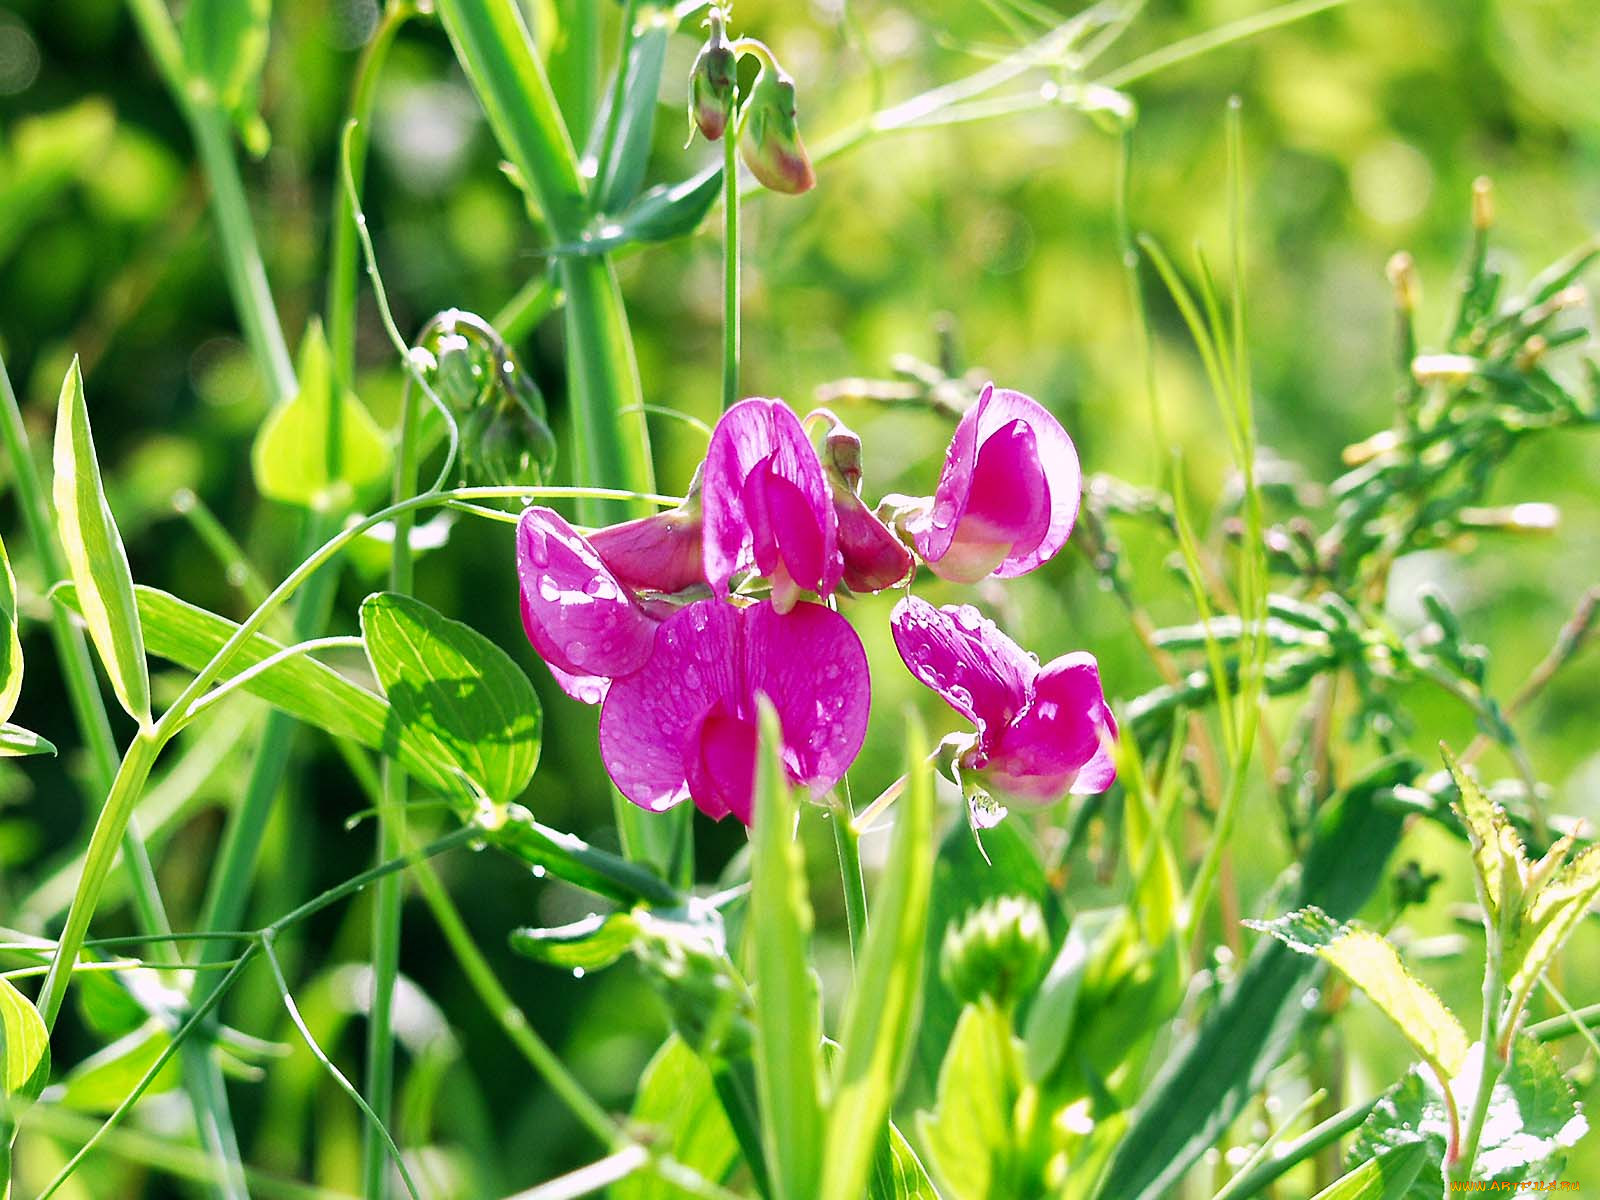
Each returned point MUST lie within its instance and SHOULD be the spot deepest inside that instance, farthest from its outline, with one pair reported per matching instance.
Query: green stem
(1258, 1178)
(847, 842)
(730, 263)
(1459, 1160)
(343, 254)
(1578, 1020)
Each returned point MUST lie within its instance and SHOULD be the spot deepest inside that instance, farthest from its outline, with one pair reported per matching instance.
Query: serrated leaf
(225, 47)
(969, 1136)
(24, 1044)
(897, 1172)
(1533, 1118)
(17, 742)
(299, 457)
(1556, 911)
(96, 560)
(788, 1049)
(1389, 1176)
(302, 687)
(1374, 966)
(454, 691)
(10, 643)
(678, 1103)
(1497, 852)
(590, 944)
(881, 1016)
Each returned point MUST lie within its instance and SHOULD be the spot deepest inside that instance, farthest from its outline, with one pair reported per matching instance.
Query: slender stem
(846, 842)
(1578, 1020)
(1255, 1180)
(1458, 1163)
(511, 1019)
(730, 262)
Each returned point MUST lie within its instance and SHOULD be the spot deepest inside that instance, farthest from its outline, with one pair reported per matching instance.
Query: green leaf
(897, 1172)
(306, 453)
(962, 881)
(788, 1048)
(24, 1044)
(1555, 913)
(623, 159)
(1387, 1177)
(1533, 1119)
(96, 560)
(1497, 852)
(10, 643)
(103, 1080)
(970, 1135)
(1373, 965)
(1203, 1086)
(660, 214)
(304, 688)
(1053, 1010)
(678, 1104)
(596, 941)
(881, 1016)
(225, 47)
(454, 690)
(17, 742)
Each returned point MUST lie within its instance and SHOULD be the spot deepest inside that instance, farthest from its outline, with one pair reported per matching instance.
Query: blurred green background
(1364, 127)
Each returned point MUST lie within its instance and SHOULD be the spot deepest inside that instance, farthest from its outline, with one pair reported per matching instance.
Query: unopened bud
(1000, 950)
(507, 443)
(1402, 272)
(712, 83)
(1482, 203)
(769, 135)
(1532, 351)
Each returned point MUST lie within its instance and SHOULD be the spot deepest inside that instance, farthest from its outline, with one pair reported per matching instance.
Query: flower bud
(1000, 949)
(712, 83)
(458, 375)
(507, 442)
(769, 135)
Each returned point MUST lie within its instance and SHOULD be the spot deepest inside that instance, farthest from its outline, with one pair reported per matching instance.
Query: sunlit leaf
(1054, 1006)
(96, 560)
(1386, 1177)
(17, 742)
(622, 163)
(897, 1172)
(24, 1044)
(969, 1136)
(678, 1104)
(100, 1082)
(660, 214)
(302, 454)
(1497, 851)
(881, 1016)
(453, 689)
(225, 49)
(788, 1039)
(1555, 912)
(10, 643)
(596, 941)
(1374, 966)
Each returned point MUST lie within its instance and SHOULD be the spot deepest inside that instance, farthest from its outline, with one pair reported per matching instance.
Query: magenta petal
(651, 717)
(810, 663)
(580, 619)
(977, 669)
(660, 553)
(874, 558)
(797, 522)
(586, 689)
(1008, 494)
(1062, 742)
(720, 763)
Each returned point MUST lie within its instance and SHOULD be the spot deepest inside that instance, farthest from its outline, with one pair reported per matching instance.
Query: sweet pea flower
(1042, 732)
(767, 505)
(658, 553)
(1008, 495)
(583, 621)
(683, 726)
(874, 558)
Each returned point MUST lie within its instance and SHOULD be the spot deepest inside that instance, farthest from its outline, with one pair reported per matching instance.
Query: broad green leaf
(970, 1136)
(307, 452)
(881, 1015)
(1368, 960)
(24, 1044)
(17, 742)
(96, 560)
(963, 880)
(678, 1104)
(304, 688)
(1201, 1089)
(10, 643)
(1555, 912)
(1055, 1004)
(596, 941)
(454, 690)
(897, 1172)
(1533, 1119)
(1386, 1177)
(788, 1048)
(100, 1082)
(225, 49)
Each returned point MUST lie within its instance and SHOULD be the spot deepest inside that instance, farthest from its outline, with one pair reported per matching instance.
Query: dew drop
(577, 972)
(538, 548)
(578, 652)
(548, 591)
(538, 871)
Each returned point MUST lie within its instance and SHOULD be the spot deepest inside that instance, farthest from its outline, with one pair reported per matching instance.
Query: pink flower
(1042, 731)
(874, 558)
(1008, 495)
(583, 621)
(684, 724)
(659, 553)
(767, 505)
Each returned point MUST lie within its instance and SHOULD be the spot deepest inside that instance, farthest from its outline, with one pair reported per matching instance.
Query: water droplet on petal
(548, 591)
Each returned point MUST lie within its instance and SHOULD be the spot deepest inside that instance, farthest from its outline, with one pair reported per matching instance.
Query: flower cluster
(676, 623)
